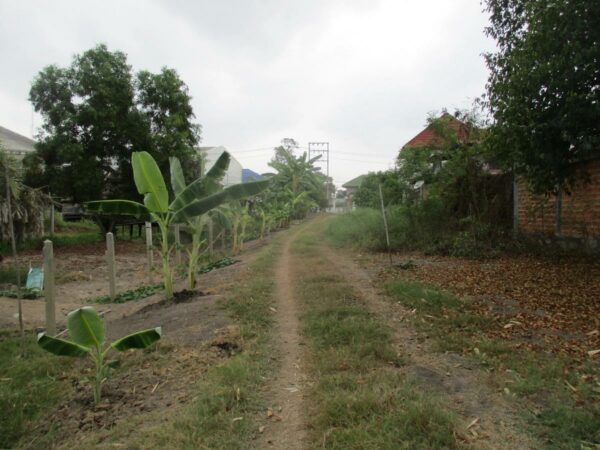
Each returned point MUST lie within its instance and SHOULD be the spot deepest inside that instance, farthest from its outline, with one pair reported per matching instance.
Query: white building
(210, 156)
(16, 144)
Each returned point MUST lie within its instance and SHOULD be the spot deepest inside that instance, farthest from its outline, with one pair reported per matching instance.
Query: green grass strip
(361, 398)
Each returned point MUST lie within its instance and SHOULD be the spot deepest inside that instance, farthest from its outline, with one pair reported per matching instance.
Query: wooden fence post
(385, 225)
(49, 287)
(52, 219)
(149, 253)
(110, 259)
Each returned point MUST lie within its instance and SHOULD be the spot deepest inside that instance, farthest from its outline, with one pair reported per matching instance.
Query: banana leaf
(85, 327)
(61, 347)
(141, 339)
(150, 182)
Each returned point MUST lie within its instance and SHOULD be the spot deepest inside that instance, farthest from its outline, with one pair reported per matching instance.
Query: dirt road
(484, 418)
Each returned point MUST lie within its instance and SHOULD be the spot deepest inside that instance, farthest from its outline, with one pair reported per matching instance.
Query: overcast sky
(362, 74)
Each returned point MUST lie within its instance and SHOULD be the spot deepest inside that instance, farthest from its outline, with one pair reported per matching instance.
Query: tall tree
(288, 147)
(95, 114)
(544, 87)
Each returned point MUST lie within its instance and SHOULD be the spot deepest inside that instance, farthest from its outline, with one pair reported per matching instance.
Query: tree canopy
(96, 112)
(544, 87)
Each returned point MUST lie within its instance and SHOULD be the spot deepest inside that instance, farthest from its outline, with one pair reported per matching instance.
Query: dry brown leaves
(537, 302)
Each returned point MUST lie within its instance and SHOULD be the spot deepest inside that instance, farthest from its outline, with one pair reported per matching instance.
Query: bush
(425, 226)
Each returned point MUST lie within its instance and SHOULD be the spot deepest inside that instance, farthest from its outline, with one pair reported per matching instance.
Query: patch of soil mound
(186, 295)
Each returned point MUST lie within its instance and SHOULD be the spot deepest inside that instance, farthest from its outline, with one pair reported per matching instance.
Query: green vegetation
(86, 329)
(59, 240)
(27, 205)
(190, 201)
(129, 295)
(423, 226)
(224, 262)
(8, 274)
(29, 294)
(110, 110)
(30, 385)
(361, 399)
(543, 88)
(564, 418)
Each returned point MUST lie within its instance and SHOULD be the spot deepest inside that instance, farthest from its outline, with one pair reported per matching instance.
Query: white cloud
(361, 74)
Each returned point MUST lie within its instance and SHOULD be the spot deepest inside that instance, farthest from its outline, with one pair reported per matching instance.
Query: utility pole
(321, 148)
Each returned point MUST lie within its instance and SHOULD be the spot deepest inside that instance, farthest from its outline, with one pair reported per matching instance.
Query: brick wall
(580, 210)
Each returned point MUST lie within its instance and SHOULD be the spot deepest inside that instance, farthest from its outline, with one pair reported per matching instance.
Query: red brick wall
(580, 210)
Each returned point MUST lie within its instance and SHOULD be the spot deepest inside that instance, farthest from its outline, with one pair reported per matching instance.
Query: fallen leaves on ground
(536, 302)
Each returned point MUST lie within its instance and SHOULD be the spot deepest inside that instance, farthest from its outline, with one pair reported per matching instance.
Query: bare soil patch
(196, 335)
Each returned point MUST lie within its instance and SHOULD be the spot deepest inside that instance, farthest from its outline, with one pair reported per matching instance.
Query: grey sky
(360, 74)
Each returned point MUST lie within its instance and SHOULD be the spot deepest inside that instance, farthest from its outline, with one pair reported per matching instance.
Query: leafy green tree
(295, 175)
(94, 113)
(543, 88)
(393, 189)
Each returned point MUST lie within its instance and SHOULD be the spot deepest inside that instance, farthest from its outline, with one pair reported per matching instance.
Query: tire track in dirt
(286, 428)
(451, 375)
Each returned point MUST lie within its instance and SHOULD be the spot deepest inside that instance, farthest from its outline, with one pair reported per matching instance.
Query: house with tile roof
(430, 137)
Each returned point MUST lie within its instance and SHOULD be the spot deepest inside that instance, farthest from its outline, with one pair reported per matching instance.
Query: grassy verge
(8, 274)
(361, 397)
(29, 386)
(561, 404)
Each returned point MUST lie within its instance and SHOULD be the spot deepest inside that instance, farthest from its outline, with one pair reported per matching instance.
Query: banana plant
(86, 330)
(190, 201)
(239, 218)
(264, 221)
(210, 186)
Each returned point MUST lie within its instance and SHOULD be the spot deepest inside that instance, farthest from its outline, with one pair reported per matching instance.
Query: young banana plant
(86, 330)
(190, 201)
(239, 218)
(210, 187)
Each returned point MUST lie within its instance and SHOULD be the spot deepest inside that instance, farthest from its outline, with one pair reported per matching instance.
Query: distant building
(16, 144)
(351, 187)
(210, 156)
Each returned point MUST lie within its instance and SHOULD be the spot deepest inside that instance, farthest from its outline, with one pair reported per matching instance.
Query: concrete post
(110, 259)
(48, 252)
(52, 219)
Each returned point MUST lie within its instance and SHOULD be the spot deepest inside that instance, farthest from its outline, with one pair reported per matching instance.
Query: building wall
(580, 210)
(15, 144)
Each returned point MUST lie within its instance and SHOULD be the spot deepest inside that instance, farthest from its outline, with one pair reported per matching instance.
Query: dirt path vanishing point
(286, 427)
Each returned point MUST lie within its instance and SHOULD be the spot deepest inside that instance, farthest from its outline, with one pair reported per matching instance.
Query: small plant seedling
(86, 329)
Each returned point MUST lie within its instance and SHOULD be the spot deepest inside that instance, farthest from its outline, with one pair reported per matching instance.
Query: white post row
(110, 259)
(48, 252)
